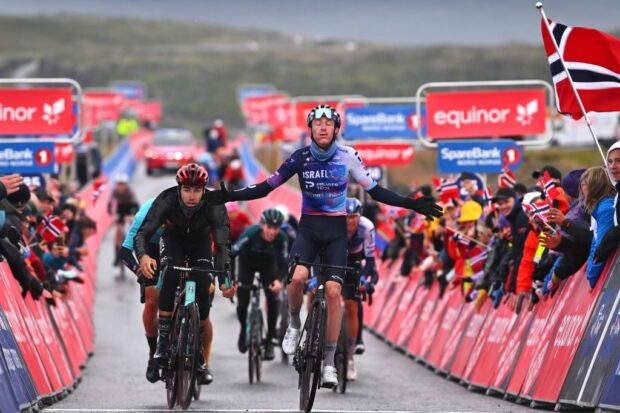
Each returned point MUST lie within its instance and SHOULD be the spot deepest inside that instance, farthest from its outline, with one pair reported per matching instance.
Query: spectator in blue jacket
(598, 200)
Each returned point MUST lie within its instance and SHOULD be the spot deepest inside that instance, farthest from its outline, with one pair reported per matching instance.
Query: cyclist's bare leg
(149, 314)
(295, 291)
(334, 320)
(351, 310)
(207, 340)
(334, 310)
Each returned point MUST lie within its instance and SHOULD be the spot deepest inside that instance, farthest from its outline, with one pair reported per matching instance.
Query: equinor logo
(51, 112)
(475, 115)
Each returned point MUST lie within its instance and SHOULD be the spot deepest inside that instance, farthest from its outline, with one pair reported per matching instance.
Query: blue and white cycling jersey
(323, 184)
(363, 240)
(137, 222)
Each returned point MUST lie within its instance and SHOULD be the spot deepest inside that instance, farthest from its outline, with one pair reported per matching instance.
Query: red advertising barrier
(392, 303)
(468, 341)
(535, 361)
(422, 325)
(532, 339)
(510, 353)
(451, 348)
(402, 320)
(412, 315)
(40, 111)
(501, 323)
(486, 113)
(386, 291)
(10, 293)
(428, 336)
(441, 342)
(571, 326)
(42, 319)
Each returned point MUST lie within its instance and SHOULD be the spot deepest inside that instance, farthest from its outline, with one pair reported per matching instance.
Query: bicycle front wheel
(189, 342)
(170, 371)
(312, 355)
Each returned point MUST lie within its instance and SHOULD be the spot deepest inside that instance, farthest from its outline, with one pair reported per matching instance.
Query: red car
(171, 148)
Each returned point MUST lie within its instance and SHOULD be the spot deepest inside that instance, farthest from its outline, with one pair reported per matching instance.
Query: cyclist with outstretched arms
(191, 226)
(261, 248)
(323, 169)
(361, 247)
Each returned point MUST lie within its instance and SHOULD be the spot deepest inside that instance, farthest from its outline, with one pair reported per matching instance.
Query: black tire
(313, 349)
(187, 360)
(341, 359)
(258, 357)
(171, 371)
(251, 349)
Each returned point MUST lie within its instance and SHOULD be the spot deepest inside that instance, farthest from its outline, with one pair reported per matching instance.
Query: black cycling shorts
(175, 251)
(318, 232)
(124, 210)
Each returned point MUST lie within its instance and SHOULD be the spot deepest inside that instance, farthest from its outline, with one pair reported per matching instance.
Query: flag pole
(539, 6)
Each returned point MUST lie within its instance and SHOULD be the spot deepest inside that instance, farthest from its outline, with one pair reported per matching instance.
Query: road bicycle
(308, 357)
(185, 347)
(255, 331)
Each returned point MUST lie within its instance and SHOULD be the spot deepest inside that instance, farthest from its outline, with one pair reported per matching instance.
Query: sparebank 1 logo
(412, 121)
(51, 113)
(525, 114)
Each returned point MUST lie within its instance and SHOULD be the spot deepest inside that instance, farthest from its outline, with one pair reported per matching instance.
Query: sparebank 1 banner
(380, 122)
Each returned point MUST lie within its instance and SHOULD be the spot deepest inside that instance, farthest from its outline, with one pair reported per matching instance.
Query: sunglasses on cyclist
(327, 112)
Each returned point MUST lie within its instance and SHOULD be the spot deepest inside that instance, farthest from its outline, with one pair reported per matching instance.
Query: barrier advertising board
(380, 122)
(40, 111)
(470, 114)
(479, 156)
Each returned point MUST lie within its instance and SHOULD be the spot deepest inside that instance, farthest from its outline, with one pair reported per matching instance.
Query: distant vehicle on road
(171, 148)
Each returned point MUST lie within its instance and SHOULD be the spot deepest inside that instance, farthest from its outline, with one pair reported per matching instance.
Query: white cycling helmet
(121, 178)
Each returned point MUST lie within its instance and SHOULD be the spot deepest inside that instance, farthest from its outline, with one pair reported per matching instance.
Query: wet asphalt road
(114, 378)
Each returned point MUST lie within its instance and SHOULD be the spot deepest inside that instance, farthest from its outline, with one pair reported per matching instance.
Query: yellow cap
(470, 211)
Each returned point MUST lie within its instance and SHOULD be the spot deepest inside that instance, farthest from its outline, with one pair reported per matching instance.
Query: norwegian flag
(550, 187)
(50, 228)
(447, 189)
(506, 179)
(477, 261)
(99, 187)
(460, 239)
(487, 195)
(593, 60)
(538, 209)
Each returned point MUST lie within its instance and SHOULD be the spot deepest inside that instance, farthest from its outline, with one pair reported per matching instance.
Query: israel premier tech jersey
(363, 241)
(323, 184)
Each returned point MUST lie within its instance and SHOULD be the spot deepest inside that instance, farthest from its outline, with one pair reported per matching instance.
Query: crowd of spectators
(42, 235)
(515, 247)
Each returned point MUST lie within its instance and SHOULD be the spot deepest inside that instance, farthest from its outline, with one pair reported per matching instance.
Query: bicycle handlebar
(356, 269)
(225, 271)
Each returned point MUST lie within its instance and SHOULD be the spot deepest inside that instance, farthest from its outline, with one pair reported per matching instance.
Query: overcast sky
(410, 22)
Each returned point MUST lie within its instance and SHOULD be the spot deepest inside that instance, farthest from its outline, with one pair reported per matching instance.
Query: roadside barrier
(44, 347)
(563, 352)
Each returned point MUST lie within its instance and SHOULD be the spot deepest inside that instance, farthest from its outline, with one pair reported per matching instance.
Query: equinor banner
(36, 112)
(486, 113)
(380, 122)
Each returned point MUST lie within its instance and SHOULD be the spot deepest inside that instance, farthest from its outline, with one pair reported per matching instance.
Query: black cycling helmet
(323, 110)
(353, 206)
(272, 217)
